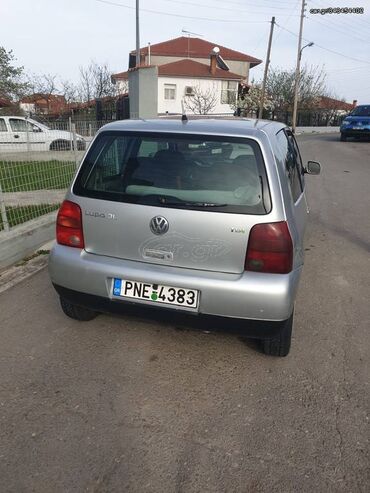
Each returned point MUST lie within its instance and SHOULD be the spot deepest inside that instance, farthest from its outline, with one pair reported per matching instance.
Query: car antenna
(184, 118)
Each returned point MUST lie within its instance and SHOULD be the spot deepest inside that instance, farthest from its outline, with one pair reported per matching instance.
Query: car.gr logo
(180, 248)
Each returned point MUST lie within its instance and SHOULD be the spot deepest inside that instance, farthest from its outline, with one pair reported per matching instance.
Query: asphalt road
(138, 405)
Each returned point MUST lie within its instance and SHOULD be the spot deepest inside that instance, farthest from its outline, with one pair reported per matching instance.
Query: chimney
(212, 65)
(213, 60)
(354, 104)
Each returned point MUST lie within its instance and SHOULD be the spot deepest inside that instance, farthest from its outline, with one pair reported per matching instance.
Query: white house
(189, 69)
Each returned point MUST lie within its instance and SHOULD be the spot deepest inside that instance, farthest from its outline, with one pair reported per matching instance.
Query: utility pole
(298, 69)
(260, 111)
(137, 35)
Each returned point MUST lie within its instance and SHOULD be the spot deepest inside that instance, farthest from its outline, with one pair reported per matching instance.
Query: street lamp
(305, 46)
(296, 85)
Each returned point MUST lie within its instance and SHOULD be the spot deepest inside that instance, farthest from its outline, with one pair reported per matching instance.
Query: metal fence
(37, 163)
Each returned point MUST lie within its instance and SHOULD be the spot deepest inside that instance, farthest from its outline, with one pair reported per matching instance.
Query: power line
(230, 9)
(326, 49)
(158, 12)
(287, 20)
(348, 69)
(287, 3)
(264, 35)
(338, 30)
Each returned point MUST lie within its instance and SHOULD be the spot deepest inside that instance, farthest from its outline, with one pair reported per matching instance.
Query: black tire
(77, 312)
(280, 345)
(81, 146)
(343, 137)
(60, 145)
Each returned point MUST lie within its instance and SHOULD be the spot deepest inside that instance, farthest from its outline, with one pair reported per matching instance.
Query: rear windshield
(218, 173)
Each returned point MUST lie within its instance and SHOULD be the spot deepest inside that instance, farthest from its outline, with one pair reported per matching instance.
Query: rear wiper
(165, 201)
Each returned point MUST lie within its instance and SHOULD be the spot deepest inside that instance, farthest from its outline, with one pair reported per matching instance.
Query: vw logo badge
(159, 225)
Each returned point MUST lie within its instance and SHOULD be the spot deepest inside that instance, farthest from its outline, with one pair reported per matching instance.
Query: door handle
(16, 136)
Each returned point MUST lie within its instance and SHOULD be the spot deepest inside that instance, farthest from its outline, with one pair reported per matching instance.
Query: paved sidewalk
(36, 197)
(317, 130)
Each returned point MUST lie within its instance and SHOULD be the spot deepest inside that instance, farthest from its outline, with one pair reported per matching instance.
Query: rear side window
(226, 174)
(18, 125)
(3, 125)
(289, 153)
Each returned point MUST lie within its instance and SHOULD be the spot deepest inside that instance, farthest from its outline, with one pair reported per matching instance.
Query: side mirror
(313, 168)
(36, 129)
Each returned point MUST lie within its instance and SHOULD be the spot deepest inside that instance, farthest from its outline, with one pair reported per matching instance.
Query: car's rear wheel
(343, 137)
(60, 145)
(77, 312)
(280, 344)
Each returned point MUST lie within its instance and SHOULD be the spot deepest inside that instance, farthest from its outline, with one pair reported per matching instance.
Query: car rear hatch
(180, 200)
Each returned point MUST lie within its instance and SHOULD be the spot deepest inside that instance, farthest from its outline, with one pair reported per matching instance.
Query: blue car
(357, 123)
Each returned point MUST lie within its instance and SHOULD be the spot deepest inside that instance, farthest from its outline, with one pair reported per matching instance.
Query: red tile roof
(326, 103)
(5, 102)
(196, 48)
(190, 68)
(43, 98)
(187, 68)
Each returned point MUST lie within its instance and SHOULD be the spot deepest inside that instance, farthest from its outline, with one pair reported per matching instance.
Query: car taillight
(270, 249)
(69, 225)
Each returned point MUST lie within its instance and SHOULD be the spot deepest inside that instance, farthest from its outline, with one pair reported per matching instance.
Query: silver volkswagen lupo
(200, 216)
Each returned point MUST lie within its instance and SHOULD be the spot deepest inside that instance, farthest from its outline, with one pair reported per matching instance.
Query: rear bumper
(259, 329)
(252, 296)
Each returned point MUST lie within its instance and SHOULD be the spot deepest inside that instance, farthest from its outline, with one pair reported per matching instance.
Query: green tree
(280, 88)
(12, 85)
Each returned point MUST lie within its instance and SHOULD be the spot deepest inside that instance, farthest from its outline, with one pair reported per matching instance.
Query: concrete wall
(174, 106)
(143, 89)
(24, 239)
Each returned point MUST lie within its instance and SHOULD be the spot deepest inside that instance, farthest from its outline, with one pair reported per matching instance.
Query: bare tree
(45, 86)
(95, 81)
(312, 85)
(86, 83)
(202, 102)
(69, 90)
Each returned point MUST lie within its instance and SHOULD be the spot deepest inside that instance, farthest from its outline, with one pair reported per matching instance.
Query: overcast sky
(57, 36)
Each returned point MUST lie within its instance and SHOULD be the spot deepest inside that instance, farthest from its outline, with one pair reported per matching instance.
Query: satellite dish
(216, 50)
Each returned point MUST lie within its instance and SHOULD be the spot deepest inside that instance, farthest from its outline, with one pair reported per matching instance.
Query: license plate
(358, 128)
(156, 293)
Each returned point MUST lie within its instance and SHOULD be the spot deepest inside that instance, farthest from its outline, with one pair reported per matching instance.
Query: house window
(229, 91)
(170, 91)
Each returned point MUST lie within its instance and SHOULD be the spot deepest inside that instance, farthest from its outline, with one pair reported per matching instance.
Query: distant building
(326, 112)
(187, 66)
(5, 103)
(43, 104)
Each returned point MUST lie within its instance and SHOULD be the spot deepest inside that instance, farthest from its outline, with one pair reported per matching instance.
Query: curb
(24, 239)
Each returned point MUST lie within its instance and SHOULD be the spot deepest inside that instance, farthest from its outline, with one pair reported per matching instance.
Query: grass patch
(19, 215)
(38, 175)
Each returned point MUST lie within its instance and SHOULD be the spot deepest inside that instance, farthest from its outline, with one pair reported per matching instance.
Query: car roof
(232, 126)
